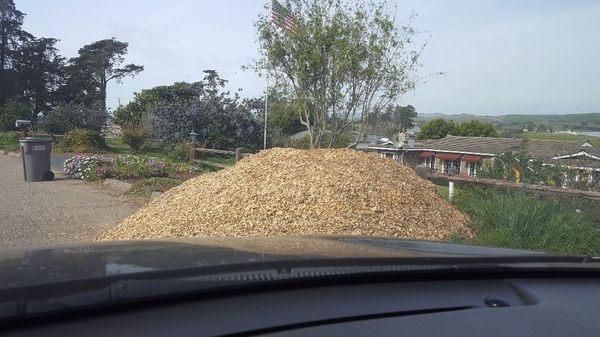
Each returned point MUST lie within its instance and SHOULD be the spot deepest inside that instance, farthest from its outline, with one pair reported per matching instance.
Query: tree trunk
(3, 44)
(103, 90)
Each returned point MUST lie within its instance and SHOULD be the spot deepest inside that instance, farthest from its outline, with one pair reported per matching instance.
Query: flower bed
(125, 167)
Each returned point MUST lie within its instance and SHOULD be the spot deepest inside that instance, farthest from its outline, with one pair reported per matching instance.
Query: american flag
(281, 16)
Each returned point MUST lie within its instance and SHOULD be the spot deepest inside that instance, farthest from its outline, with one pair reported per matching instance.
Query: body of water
(589, 133)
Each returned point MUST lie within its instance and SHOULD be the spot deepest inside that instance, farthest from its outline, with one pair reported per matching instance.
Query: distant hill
(572, 118)
(422, 118)
(585, 121)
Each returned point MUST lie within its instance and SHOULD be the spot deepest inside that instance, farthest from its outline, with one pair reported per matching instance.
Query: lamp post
(194, 136)
(192, 147)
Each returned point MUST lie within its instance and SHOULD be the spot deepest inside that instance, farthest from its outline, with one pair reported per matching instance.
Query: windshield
(294, 130)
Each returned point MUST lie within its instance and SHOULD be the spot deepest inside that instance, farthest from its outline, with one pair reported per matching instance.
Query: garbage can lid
(35, 140)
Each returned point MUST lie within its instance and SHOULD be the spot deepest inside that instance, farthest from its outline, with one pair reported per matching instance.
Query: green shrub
(179, 153)
(82, 140)
(516, 219)
(135, 135)
(9, 138)
(135, 167)
(9, 141)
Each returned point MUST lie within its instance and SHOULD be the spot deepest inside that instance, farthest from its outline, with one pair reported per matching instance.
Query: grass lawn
(442, 188)
(145, 187)
(562, 136)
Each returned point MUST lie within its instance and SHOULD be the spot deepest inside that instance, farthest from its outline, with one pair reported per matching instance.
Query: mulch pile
(299, 192)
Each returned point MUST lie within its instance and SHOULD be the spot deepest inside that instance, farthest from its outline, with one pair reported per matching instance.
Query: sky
(497, 57)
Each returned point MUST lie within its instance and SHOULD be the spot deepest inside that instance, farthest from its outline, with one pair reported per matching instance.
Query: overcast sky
(499, 57)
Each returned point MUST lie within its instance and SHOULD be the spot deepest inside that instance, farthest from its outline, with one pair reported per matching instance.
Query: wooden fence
(465, 180)
(196, 154)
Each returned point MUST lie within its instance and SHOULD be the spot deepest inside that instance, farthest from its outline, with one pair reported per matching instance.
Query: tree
(148, 100)
(11, 38)
(541, 128)
(439, 128)
(220, 120)
(69, 116)
(340, 61)
(283, 121)
(40, 70)
(11, 34)
(393, 120)
(404, 116)
(102, 62)
(475, 128)
(436, 129)
(10, 112)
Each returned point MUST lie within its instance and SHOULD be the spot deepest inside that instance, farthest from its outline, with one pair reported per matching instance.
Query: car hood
(21, 267)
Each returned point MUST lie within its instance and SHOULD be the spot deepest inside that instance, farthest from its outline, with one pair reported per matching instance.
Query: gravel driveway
(54, 212)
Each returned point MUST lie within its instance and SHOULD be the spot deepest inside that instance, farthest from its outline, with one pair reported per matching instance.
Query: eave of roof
(452, 151)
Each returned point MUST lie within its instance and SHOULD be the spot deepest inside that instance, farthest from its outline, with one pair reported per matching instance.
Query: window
(456, 166)
(472, 168)
(447, 166)
(452, 166)
(430, 163)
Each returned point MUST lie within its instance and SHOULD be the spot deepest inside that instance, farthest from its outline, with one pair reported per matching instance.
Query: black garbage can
(36, 158)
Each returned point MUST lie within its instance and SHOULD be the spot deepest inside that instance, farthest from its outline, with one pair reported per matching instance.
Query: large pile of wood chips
(299, 192)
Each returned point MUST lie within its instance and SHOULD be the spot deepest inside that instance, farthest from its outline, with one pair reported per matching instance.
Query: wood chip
(281, 192)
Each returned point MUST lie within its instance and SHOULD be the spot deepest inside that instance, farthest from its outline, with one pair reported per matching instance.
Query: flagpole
(269, 9)
(266, 109)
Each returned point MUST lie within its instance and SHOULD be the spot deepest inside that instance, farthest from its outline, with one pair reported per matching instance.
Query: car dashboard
(486, 307)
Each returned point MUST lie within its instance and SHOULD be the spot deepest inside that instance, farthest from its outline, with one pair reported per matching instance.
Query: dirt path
(54, 212)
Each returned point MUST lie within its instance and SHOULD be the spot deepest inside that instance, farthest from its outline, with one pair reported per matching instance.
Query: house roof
(534, 148)
(567, 153)
(576, 162)
(542, 149)
(479, 145)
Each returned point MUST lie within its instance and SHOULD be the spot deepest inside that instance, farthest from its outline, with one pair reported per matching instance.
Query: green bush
(9, 138)
(179, 153)
(9, 141)
(135, 135)
(135, 167)
(516, 219)
(82, 140)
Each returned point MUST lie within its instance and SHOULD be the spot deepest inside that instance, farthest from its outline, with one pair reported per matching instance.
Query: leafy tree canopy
(220, 120)
(393, 120)
(436, 129)
(147, 100)
(10, 112)
(101, 62)
(340, 61)
(33, 73)
(439, 128)
(476, 128)
(69, 116)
